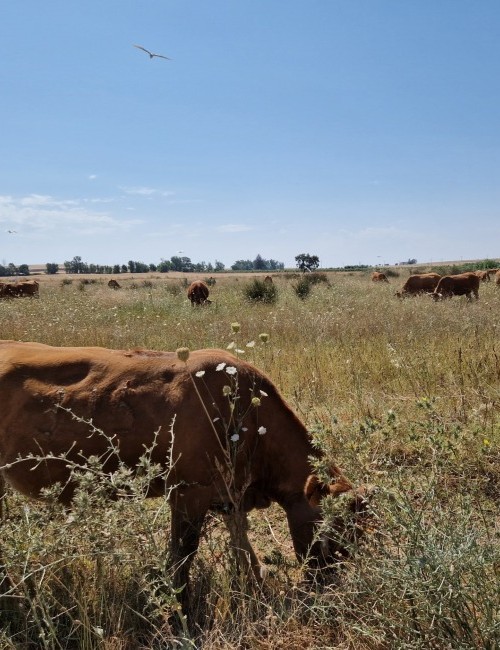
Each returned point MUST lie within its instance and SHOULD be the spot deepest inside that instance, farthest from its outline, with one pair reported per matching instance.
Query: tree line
(175, 263)
(304, 262)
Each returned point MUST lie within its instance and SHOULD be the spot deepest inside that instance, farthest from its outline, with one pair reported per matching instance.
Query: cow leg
(187, 516)
(247, 560)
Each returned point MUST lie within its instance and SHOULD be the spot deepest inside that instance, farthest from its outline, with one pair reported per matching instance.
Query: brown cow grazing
(464, 284)
(377, 276)
(268, 279)
(417, 284)
(25, 288)
(491, 272)
(497, 278)
(224, 451)
(113, 284)
(198, 293)
(483, 276)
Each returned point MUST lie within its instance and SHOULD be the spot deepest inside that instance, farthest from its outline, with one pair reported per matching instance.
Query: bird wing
(163, 57)
(144, 50)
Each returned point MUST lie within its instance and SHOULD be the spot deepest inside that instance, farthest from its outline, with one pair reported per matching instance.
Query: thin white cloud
(145, 191)
(38, 214)
(233, 227)
(373, 232)
(92, 177)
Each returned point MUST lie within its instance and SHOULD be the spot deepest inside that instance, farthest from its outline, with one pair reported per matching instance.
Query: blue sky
(361, 131)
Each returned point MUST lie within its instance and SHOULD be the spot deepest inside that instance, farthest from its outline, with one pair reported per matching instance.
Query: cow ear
(315, 490)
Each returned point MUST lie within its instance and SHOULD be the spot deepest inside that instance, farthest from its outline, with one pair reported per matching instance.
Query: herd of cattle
(462, 284)
(443, 286)
(132, 395)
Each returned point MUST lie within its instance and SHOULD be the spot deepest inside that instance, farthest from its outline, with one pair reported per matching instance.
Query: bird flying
(11, 231)
(152, 54)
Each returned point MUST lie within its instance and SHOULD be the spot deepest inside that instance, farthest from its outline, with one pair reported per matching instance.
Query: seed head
(264, 337)
(182, 354)
(235, 327)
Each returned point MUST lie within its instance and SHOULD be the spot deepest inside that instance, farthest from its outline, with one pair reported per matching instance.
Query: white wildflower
(221, 366)
(263, 393)
(231, 370)
(231, 345)
(200, 373)
(240, 351)
(261, 431)
(251, 344)
(235, 437)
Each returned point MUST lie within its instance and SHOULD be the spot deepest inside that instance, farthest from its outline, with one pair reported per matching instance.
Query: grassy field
(402, 394)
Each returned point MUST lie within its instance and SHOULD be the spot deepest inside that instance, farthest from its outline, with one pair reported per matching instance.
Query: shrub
(260, 291)
(316, 278)
(303, 287)
(305, 283)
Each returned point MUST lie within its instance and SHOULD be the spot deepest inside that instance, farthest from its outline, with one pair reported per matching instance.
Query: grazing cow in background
(198, 293)
(483, 276)
(491, 272)
(268, 279)
(421, 283)
(497, 278)
(113, 284)
(464, 284)
(377, 276)
(25, 288)
(60, 406)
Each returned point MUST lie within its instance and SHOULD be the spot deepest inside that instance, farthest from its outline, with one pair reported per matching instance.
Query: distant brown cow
(25, 288)
(421, 283)
(224, 453)
(377, 276)
(268, 279)
(198, 293)
(497, 278)
(483, 275)
(464, 284)
(113, 284)
(491, 272)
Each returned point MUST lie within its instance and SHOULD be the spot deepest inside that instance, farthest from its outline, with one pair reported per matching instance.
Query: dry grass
(404, 394)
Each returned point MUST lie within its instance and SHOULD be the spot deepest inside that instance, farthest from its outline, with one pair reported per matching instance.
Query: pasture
(403, 394)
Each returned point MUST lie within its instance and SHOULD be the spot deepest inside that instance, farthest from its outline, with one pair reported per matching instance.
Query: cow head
(337, 531)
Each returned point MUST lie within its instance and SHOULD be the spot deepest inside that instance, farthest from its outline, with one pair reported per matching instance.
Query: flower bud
(182, 354)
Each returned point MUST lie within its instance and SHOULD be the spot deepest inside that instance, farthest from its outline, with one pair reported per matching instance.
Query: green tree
(259, 263)
(51, 268)
(76, 265)
(242, 265)
(164, 266)
(306, 262)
